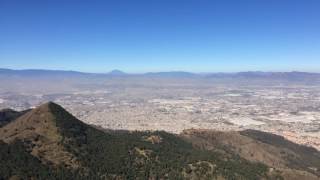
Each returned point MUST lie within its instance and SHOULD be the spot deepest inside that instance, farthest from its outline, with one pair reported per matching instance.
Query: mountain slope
(8, 115)
(42, 130)
(257, 146)
(58, 146)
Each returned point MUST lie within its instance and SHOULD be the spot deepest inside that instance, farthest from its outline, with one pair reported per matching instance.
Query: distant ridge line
(116, 72)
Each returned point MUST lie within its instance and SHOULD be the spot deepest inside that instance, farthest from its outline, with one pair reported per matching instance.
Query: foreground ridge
(50, 143)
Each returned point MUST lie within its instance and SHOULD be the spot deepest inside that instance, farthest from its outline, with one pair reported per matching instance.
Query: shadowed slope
(8, 115)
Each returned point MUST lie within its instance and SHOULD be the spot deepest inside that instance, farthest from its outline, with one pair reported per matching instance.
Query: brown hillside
(276, 152)
(39, 130)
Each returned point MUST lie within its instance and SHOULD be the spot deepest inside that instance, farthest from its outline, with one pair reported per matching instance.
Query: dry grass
(38, 130)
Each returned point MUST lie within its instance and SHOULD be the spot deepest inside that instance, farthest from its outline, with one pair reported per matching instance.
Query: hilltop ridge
(42, 129)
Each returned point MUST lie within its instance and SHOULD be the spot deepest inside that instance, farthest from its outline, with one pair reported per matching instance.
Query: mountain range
(48, 142)
(294, 75)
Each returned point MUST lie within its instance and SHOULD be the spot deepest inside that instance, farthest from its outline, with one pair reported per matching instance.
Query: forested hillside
(50, 143)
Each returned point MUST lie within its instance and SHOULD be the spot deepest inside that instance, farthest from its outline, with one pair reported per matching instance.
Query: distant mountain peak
(117, 72)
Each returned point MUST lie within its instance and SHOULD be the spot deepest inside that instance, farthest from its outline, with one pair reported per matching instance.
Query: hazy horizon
(160, 71)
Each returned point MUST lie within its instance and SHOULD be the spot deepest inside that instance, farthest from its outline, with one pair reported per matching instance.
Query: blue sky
(161, 35)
